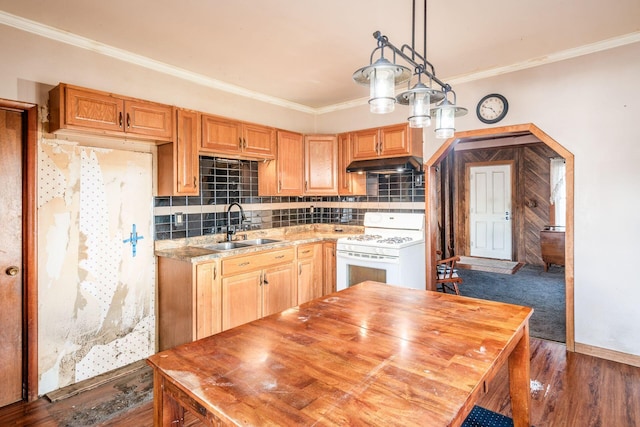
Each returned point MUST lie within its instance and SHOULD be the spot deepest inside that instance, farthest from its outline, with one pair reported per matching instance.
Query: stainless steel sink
(224, 246)
(238, 244)
(256, 242)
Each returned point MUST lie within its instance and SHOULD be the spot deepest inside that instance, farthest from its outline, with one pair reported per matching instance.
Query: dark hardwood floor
(567, 390)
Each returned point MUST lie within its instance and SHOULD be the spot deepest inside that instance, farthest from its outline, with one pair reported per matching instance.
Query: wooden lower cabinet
(329, 264)
(202, 299)
(310, 269)
(189, 301)
(241, 299)
(257, 285)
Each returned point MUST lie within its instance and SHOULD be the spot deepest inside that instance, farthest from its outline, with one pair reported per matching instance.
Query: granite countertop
(194, 250)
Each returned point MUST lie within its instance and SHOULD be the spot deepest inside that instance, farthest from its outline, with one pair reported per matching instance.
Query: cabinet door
(93, 110)
(258, 141)
(149, 118)
(329, 261)
(349, 184)
(176, 324)
(321, 165)
(186, 153)
(365, 144)
(278, 289)
(310, 269)
(208, 306)
(220, 135)
(241, 299)
(290, 164)
(395, 140)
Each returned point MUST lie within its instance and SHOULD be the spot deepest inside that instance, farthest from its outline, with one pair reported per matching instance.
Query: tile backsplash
(224, 181)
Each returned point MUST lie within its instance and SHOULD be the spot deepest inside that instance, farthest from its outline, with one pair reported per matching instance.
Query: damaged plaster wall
(96, 299)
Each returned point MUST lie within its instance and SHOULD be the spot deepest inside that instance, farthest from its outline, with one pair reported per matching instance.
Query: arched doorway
(500, 132)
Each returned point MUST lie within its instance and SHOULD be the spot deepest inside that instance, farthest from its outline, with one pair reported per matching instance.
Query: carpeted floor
(530, 286)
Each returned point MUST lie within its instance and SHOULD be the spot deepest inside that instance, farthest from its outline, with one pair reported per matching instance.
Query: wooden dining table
(372, 354)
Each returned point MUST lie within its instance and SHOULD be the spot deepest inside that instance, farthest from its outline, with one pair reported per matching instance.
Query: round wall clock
(492, 108)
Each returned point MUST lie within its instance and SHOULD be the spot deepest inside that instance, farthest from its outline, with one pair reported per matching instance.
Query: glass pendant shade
(419, 102)
(382, 76)
(445, 120)
(381, 90)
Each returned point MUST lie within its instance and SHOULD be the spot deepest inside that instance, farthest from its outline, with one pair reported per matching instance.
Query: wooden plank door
(11, 375)
(490, 225)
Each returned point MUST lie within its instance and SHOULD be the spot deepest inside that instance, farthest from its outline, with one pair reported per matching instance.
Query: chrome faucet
(231, 230)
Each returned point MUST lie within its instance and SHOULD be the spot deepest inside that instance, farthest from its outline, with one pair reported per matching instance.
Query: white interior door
(490, 229)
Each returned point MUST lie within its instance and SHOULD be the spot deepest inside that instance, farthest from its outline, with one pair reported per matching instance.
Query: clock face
(492, 108)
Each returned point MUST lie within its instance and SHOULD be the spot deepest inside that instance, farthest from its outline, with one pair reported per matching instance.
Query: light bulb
(381, 88)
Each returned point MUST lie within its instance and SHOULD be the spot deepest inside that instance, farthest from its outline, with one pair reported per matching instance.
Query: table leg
(166, 410)
(519, 381)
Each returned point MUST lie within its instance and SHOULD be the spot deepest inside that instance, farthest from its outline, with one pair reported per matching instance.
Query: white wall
(31, 65)
(591, 106)
(588, 104)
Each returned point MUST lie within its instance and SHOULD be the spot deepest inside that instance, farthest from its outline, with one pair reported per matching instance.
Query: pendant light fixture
(382, 76)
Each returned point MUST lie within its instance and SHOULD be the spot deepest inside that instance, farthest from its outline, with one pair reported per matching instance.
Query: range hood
(388, 165)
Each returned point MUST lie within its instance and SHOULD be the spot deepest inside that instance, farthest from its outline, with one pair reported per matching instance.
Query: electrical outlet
(178, 219)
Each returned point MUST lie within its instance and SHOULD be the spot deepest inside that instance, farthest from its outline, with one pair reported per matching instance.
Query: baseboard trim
(605, 353)
(91, 383)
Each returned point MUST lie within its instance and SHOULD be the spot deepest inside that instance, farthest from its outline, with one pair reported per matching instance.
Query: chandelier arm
(431, 74)
(374, 52)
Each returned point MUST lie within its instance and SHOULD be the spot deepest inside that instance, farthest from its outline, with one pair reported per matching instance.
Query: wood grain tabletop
(372, 354)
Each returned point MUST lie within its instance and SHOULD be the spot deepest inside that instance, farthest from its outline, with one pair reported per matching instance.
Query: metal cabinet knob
(12, 271)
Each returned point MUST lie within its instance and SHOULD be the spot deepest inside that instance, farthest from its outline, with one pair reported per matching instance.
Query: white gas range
(391, 250)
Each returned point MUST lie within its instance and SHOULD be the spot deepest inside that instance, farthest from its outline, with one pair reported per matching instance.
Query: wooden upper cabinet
(321, 165)
(222, 136)
(290, 164)
(283, 176)
(366, 144)
(148, 118)
(76, 108)
(305, 165)
(389, 141)
(258, 141)
(178, 162)
(349, 184)
(93, 110)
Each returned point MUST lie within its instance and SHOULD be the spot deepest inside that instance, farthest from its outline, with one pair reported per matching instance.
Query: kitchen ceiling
(302, 53)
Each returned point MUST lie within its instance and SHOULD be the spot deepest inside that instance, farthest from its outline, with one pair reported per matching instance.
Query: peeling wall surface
(96, 299)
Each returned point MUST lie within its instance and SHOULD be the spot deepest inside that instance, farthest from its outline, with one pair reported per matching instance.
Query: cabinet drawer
(256, 261)
(305, 251)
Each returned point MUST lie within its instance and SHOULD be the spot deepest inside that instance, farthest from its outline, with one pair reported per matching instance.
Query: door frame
(29, 246)
(467, 199)
(431, 201)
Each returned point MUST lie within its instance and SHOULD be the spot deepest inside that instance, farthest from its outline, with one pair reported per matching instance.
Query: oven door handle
(379, 258)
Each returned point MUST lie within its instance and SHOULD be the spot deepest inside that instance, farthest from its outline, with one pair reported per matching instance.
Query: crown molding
(143, 61)
(202, 80)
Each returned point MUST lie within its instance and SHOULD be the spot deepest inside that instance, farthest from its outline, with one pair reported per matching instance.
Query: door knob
(12, 271)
